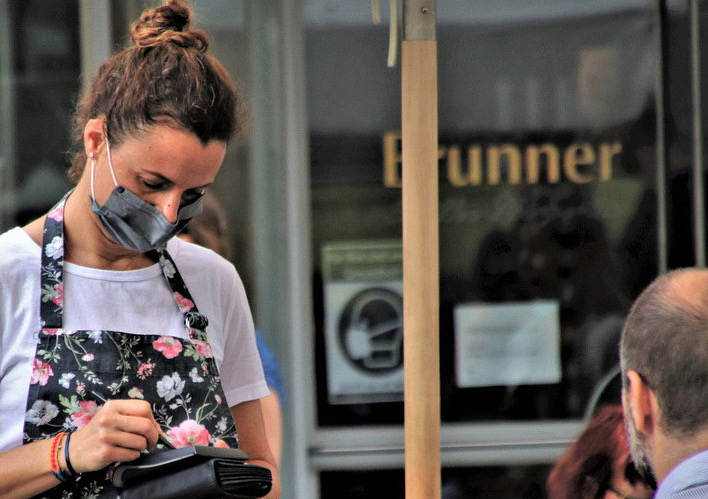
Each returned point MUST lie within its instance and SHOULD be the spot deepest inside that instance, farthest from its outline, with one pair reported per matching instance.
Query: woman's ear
(94, 135)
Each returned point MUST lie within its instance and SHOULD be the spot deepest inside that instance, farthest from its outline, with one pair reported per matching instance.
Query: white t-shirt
(136, 301)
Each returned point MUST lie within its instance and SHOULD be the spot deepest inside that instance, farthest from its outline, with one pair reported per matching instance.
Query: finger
(134, 416)
(122, 455)
(143, 427)
(129, 407)
(130, 441)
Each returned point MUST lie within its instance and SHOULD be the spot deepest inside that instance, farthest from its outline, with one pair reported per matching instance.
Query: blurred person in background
(598, 464)
(211, 229)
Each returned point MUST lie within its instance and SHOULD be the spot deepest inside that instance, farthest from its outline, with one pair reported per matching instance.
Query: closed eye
(155, 186)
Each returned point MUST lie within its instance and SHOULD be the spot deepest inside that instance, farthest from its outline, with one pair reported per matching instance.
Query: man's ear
(642, 404)
(94, 137)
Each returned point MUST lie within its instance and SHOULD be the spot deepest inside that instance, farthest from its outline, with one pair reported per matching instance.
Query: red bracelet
(54, 457)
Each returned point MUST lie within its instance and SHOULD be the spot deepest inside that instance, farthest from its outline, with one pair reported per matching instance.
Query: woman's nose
(169, 206)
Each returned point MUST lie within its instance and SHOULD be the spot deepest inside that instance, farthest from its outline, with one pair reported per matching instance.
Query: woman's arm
(19, 479)
(253, 441)
(119, 431)
(273, 420)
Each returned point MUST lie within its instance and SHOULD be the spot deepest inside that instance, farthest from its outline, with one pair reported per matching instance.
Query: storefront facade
(570, 174)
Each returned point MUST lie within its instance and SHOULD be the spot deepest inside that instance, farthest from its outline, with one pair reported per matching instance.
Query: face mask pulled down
(131, 222)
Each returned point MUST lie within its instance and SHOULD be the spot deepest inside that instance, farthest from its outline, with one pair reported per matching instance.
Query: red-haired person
(112, 331)
(598, 464)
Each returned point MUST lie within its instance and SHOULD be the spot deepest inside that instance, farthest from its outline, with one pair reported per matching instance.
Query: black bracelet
(60, 475)
(71, 469)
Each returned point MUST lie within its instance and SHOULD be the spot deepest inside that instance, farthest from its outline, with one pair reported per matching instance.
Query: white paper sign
(507, 344)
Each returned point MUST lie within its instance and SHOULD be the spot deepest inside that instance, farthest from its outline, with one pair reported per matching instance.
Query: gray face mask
(133, 223)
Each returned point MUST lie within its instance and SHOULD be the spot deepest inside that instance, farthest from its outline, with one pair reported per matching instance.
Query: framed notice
(363, 301)
(507, 344)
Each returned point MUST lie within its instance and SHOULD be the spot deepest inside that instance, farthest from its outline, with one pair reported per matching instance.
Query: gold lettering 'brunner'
(595, 161)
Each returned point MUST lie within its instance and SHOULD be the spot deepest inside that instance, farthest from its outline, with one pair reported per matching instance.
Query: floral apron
(75, 371)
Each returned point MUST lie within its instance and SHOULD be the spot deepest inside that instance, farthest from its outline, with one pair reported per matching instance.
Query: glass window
(681, 105)
(40, 67)
(547, 205)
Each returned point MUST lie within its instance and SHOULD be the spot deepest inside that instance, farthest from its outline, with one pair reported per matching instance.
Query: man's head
(664, 359)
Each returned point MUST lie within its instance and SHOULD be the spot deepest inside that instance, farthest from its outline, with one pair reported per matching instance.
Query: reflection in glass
(547, 184)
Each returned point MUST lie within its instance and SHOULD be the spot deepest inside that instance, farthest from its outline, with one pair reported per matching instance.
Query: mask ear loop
(110, 161)
(92, 157)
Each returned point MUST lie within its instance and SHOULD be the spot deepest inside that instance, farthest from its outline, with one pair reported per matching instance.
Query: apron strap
(195, 322)
(51, 303)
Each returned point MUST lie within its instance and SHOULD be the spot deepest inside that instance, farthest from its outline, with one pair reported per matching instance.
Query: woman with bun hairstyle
(114, 333)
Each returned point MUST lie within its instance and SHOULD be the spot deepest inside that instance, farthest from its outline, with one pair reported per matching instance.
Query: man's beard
(639, 450)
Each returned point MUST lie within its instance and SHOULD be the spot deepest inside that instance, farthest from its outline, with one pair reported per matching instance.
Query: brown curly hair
(166, 77)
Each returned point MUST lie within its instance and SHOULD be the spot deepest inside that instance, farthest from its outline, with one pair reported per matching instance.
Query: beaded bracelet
(72, 471)
(54, 457)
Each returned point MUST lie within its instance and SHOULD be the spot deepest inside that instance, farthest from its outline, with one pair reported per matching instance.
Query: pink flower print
(88, 357)
(57, 214)
(189, 433)
(41, 372)
(169, 346)
(80, 388)
(58, 299)
(203, 348)
(220, 443)
(184, 304)
(145, 370)
(89, 408)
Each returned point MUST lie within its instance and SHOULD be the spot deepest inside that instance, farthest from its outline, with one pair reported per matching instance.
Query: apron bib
(74, 372)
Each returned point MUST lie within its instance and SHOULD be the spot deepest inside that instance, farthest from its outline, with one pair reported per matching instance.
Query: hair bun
(169, 23)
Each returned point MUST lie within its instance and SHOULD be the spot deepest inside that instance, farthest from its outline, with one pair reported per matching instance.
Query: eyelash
(154, 186)
(187, 196)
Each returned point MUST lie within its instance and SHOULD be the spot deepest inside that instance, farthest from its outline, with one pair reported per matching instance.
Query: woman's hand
(119, 431)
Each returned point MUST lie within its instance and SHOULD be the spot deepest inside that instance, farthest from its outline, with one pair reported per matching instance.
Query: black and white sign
(363, 321)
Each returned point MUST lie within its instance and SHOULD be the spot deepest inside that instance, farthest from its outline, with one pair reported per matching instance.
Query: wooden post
(421, 293)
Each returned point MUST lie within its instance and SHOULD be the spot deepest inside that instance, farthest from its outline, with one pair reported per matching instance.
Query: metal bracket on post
(419, 19)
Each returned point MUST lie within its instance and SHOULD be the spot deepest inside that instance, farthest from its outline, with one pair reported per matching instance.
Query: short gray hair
(665, 340)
